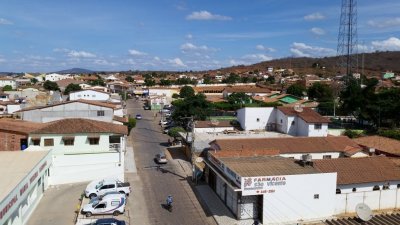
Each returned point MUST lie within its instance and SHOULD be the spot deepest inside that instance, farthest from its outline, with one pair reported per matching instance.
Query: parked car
(109, 221)
(138, 116)
(163, 122)
(167, 114)
(100, 197)
(146, 107)
(165, 111)
(161, 158)
(100, 187)
(111, 204)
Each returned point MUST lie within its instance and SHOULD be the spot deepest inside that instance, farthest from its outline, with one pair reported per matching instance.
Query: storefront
(273, 190)
(24, 178)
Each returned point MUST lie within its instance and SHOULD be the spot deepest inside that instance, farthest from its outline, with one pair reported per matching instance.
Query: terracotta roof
(66, 82)
(120, 119)
(208, 124)
(265, 166)
(19, 126)
(246, 153)
(90, 102)
(380, 143)
(308, 115)
(288, 145)
(73, 126)
(215, 98)
(360, 170)
(209, 88)
(247, 89)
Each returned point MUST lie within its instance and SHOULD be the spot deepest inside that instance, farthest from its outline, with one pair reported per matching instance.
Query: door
(23, 144)
(212, 180)
(106, 188)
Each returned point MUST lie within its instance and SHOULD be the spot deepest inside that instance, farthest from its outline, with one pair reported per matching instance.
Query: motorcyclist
(169, 200)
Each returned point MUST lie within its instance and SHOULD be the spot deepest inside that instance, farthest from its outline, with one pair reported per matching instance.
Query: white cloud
(317, 31)
(103, 62)
(74, 53)
(191, 47)
(314, 16)
(257, 57)
(80, 54)
(205, 15)
(263, 48)
(303, 50)
(2, 60)
(5, 22)
(393, 22)
(136, 52)
(177, 62)
(391, 44)
(157, 58)
(189, 36)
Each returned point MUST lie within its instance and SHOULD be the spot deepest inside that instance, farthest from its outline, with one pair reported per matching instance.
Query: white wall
(55, 77)
(323, 132)
(248, 117)
(68, 110)
(13, 108)
(12, 83)
(334, 155)
(212, 129)
(295, 201)
(89, 95)
(86, 167)
(165, 92)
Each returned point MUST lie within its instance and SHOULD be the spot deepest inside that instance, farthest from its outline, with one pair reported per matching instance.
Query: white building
(24, 178)
(8, 81)
(212, 126)
(157, 102)
(4, 97)
(374, 181)
(167, 92)
(92, 95)
(293, 121)
(73, 109)
(294, 147)
(271, 189)
(55, 77)
(83, 149)
(9, 108)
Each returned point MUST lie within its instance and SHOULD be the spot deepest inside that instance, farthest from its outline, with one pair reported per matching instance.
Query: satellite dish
(298, 108)
(363, 212)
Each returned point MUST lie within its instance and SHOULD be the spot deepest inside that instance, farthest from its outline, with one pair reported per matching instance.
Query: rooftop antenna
(347, 38)
(364, 212)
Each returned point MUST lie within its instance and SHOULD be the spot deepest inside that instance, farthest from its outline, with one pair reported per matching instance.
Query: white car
(100, 187)
(161, 158)
(110, 204)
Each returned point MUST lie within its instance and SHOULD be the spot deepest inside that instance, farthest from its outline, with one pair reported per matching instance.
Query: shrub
(352, 133)
(130, 124)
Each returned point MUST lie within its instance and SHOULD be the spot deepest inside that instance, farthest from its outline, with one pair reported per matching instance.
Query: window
(79, 96)
(36, 141)
(293, 122)
(100, 113)
(68, 141)
(281, 121)
(398, 185)
(48, 142)
(93, 96)
(101, 206)
(326, 156)
(354, 189)
(316, 196)
(338, 191)
(317, 126)
(386, 186)
(258, 119)
(94, 140)
(376, 188)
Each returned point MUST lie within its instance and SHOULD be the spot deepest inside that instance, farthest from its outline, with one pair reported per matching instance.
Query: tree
(51, 86)
(175, 95)
(129, 79)
(207, 80)
(7, 88)
(270, 79)
(174, 132)
(232, 78)
(239, 98)
(165, 82)
(34, 80)
(194, 106)
(149, 82)
(130, 124)
(186, 91)
(323, 94)
(296, 90)
(71, 88)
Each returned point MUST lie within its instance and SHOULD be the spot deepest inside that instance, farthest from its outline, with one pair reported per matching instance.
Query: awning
(68, 138)
(93, 136)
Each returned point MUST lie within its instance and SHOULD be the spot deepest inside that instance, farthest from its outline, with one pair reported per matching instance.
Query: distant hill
(374, 64)
(75, 70)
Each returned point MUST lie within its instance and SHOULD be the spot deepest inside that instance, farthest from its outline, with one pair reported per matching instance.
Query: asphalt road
(148, 140)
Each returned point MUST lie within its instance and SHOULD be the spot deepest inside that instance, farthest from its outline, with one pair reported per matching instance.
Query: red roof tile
(307, 114)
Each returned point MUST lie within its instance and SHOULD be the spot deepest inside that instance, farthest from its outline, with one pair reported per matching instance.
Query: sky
(181, 35)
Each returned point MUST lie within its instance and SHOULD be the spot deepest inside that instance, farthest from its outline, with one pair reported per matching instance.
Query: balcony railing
(115, 147)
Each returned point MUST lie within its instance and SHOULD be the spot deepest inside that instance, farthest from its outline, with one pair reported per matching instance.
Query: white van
(110, 204)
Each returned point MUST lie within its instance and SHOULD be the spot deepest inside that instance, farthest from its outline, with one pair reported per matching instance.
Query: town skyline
(180, 35)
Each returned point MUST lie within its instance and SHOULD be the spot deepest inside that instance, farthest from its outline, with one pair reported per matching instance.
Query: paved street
(155, 185)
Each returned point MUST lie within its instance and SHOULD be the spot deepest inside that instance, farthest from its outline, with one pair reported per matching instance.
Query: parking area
(58, 205)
